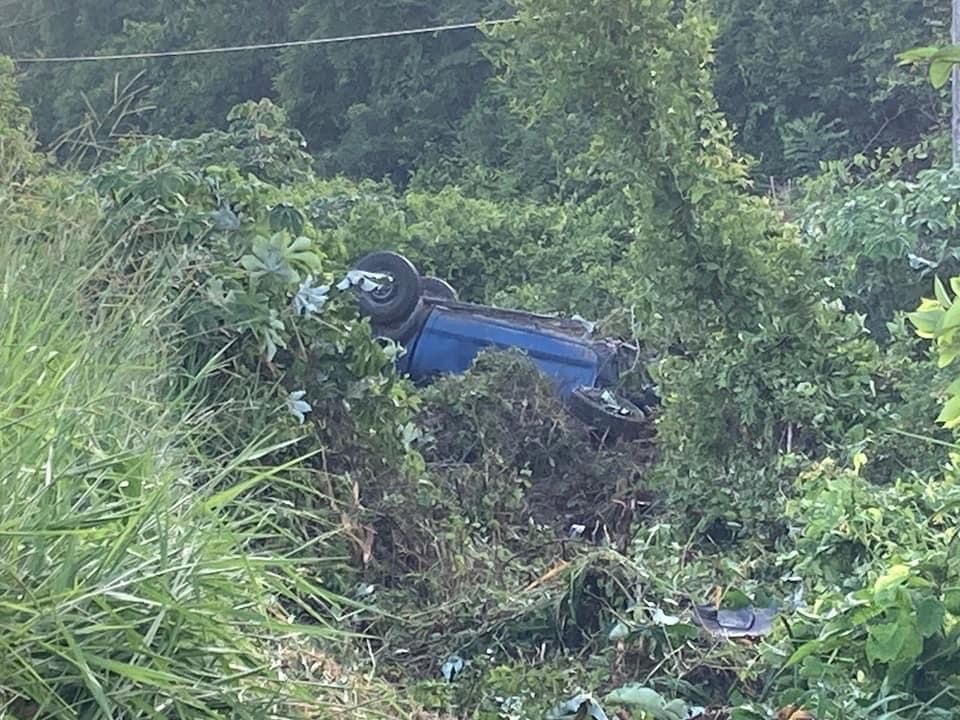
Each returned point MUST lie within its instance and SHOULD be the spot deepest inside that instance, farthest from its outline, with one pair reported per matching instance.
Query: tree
(184, 95)
(367, 108)
(376, 108)
(767, 363)
(810, 80)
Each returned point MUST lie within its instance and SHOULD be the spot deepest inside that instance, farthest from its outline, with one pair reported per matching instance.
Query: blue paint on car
(453, 334)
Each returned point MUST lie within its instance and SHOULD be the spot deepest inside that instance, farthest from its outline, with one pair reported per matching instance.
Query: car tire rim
(383, 292)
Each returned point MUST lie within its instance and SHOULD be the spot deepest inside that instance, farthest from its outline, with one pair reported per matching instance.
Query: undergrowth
(135, 579)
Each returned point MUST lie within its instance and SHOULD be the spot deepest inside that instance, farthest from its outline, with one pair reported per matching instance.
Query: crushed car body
(442, 335)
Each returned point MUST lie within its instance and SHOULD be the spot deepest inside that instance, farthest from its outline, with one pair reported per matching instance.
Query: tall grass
(128, 583)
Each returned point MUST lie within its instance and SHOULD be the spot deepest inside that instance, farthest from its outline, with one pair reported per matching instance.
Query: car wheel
(394, 300)
(437, 288)
(608, 412)
(405, 330)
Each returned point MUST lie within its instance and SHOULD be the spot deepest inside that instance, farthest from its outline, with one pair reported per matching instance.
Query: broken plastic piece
(581, 706)
(746, 622)
(452, 667)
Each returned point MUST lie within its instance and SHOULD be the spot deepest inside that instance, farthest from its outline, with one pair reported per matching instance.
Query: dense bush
(157, 550)
(882, 237)
(128, 584)
(883, 595)
(259, 278)
(768, 369)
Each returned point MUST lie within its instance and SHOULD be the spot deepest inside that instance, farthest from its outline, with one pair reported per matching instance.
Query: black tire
(647, 399)
(619, 419)
(438, 289)
(405, 330)
(394, 301)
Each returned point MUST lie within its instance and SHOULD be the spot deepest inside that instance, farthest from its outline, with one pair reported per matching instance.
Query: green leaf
(950, 414)
(884, 642)
(947, 355)
(912, 646)
(896, 575)
(309, 260)
(930, 616)
(941, 292)
(748, 712)
(954, 387)
(286, 217)
(951, 318)
(940, 72)
(300, 244)
(251, 264)
(951, 600)
(918, 54)
(735, 599)
(926, 322)
(802, 652)
(647, 701)
(674, 710)
(949, 53)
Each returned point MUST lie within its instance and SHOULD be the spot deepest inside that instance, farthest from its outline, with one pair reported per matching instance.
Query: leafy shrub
(508, 251)
(808, 141)
(882, 581)
(128, 587)
(258, 278)
(761, 369)
(905, 440)
(18, 156)
(153, 560)
(883, 239)
(258, 140)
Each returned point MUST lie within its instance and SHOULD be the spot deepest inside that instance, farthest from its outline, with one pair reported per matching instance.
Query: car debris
(745, 622)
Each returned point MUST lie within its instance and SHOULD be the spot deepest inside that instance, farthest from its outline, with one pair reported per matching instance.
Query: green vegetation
(128, 589)
(801, 82)
(808, 81)
(220, 499)
(142, 576)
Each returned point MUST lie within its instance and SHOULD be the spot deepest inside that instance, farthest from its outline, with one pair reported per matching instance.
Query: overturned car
(442, 335)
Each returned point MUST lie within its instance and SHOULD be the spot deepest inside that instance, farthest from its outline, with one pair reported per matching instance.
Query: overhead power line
(264, 46)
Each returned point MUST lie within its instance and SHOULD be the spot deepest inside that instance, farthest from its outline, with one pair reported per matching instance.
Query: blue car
(442, 335)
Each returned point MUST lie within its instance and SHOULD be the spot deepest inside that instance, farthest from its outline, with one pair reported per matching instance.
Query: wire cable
(264, 46)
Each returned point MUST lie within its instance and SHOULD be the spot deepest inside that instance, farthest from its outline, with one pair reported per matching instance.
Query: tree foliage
(883, 237)
(808, 81)
(373, 108)
(380, 108)
(799, 83)
(770, 365)
(175, 95)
